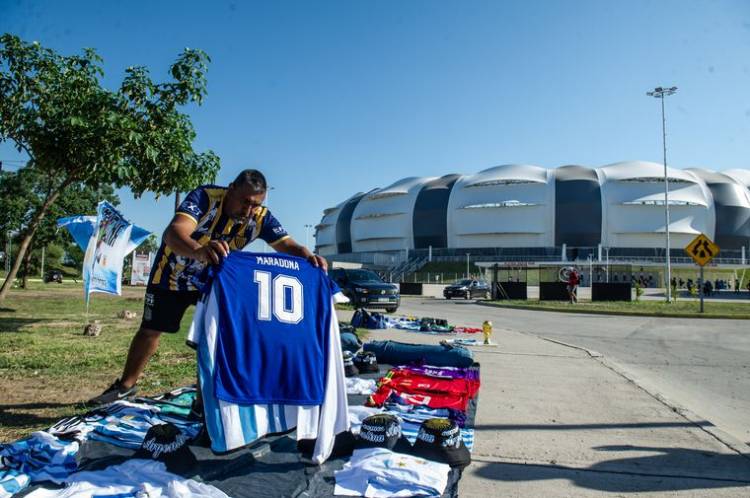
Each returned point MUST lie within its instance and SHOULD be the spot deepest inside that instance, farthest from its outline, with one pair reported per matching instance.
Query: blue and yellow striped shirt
(204, 205)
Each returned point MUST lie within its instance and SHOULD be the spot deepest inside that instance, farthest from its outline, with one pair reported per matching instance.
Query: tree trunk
(27, 239)
(26, 261)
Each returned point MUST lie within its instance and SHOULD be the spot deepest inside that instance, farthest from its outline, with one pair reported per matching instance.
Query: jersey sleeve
(336, 294)
(271, 231)
(195, 204)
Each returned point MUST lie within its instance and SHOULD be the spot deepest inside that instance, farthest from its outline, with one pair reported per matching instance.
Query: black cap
(349, 369)
(439, 440)
(166, 443)
(382, 431)
(366, 362)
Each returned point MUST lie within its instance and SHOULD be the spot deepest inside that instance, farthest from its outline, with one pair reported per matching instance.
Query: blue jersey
(269, 353)
(274, 312)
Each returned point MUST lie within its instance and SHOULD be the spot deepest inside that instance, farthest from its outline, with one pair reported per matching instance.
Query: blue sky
(330, 98)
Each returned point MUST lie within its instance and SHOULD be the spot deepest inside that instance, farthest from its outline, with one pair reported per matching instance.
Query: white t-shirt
(380, 473)
(139, 478)
(355, 385)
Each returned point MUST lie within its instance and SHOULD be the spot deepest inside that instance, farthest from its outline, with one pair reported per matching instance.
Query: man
(573, 281)
(210, 222)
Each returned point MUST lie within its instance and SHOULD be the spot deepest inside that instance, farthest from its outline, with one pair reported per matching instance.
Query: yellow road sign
(702, 250)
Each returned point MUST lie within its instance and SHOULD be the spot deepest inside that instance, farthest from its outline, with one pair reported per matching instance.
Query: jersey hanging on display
(269, 353)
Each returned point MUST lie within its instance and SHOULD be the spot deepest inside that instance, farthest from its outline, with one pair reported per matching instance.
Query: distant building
(528, 212)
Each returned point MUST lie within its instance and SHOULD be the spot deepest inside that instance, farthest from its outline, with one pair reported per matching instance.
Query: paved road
(698, 364)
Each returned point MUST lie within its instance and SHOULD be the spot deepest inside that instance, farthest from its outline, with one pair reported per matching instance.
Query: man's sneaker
(196, 411)
(113, 393)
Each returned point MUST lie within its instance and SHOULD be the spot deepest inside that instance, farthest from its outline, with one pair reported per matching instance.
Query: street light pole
(467, 265)
(307, 235)
(660, 93)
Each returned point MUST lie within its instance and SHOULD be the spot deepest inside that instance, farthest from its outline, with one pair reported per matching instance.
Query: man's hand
(213, 252)
(318, 262)
(288, 246)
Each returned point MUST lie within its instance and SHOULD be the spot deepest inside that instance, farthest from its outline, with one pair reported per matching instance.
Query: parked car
(53, 276)
(468, 289)
(366, 289)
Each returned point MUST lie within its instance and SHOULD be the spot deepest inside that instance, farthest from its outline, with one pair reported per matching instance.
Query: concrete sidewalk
(555, 420)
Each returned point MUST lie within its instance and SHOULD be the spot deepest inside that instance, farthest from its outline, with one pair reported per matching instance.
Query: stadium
(521, 212)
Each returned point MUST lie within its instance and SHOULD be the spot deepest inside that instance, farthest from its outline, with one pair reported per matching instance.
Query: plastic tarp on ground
(271, 468)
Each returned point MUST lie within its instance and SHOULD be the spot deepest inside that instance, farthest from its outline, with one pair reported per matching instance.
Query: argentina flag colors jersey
(269, 353)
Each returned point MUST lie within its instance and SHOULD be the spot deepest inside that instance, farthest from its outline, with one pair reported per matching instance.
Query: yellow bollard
(487, 331)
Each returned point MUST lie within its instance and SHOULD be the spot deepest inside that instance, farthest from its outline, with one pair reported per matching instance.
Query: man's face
(242, 202)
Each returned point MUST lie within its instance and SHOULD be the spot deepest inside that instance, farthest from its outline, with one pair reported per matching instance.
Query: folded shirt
(380, 473)
(134, 478)
(404, 386)
(41, 457)
(122, 423)
(355, 385)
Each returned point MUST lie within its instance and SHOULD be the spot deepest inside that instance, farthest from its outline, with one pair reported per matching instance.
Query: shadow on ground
(17, 415)
(15, 324)
(666, 469)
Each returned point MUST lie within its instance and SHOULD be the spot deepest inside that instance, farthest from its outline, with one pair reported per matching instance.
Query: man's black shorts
(163, 309)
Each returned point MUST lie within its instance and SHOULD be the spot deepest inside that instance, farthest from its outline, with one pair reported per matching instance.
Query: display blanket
(272, 467)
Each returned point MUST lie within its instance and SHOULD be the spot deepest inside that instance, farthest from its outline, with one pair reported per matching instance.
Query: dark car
(366, 289)
(468, 289)
(53, 276)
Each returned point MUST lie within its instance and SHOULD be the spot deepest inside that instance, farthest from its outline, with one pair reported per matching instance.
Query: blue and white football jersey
(274, 313)
(269, 353)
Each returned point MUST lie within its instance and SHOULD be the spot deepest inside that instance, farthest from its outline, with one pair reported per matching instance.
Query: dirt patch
(34, 403)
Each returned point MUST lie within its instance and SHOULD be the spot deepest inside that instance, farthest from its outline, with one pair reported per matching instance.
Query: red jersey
(417, 389)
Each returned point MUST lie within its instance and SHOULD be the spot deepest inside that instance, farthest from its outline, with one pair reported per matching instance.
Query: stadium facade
(525, 212)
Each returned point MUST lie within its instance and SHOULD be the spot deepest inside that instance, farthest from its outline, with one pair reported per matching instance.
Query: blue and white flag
(107, 239)
(80, 227)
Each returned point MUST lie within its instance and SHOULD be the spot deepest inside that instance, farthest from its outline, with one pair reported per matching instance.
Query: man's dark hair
(253, 178)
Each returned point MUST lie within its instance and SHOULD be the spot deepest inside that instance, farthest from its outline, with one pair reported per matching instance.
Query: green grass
(48, 366)
(644, 308)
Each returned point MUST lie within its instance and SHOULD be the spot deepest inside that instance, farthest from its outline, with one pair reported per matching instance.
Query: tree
(55, 109)
(151, 244)
(22, 193)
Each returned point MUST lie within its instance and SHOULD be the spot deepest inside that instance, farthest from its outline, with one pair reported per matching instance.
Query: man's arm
(178, 237)
(287, 245)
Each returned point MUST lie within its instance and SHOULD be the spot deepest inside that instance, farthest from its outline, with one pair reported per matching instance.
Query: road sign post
(702, 250)
(701, 289)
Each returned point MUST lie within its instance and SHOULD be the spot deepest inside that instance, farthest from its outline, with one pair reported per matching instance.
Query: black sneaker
(196, 411)
(113, 393)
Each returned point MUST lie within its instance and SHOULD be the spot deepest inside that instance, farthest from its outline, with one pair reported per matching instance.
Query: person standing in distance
(573, 281)
(210, 222)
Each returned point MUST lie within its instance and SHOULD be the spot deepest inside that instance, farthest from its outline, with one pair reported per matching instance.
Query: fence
(431, 277)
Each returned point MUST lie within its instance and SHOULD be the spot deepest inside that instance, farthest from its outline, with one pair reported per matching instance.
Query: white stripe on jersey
(233, 426)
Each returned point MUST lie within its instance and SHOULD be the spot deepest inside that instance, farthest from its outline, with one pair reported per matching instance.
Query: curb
(610, 313)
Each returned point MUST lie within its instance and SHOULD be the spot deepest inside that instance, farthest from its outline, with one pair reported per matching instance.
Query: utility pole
(660, 93)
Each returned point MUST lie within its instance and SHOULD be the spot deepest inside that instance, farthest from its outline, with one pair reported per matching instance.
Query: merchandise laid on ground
(289, 405)
(410, 429)
(364, 319)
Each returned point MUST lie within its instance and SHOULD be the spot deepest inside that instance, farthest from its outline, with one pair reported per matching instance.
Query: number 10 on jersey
(283, 297)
